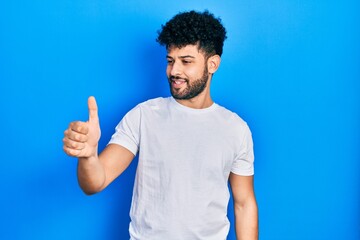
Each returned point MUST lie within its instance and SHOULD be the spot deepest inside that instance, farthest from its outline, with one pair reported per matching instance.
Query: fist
(81, 138)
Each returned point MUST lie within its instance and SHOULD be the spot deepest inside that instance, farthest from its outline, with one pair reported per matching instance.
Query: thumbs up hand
(81, 138)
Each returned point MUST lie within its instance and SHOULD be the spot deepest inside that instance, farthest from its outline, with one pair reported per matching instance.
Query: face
(187, 72)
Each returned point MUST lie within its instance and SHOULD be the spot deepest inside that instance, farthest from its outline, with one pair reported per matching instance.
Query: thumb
(93, 110)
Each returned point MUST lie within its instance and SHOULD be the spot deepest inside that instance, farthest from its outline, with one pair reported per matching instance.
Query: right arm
(95, 172)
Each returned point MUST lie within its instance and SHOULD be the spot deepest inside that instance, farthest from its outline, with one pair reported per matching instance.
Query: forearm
(91, 174)
(246, 221)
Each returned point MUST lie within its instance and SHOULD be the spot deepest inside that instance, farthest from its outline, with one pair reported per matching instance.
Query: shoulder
(155, 102)
(235, 124)
(231, 117)
(150, 107)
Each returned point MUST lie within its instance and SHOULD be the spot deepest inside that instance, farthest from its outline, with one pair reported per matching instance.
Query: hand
(81, 138)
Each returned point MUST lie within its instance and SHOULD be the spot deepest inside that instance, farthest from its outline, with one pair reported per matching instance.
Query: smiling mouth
(177, 82)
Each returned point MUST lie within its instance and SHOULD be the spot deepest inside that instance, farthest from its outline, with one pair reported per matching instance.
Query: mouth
(177, 82)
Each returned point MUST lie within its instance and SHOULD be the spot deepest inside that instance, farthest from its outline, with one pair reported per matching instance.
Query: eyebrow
(186, 56)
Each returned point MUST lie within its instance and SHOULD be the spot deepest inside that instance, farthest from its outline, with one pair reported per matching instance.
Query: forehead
(188, 50)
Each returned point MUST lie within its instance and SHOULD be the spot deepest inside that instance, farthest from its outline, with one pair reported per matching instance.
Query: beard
(192, 90)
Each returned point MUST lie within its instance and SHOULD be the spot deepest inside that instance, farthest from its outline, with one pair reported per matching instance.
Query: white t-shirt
(185, 158)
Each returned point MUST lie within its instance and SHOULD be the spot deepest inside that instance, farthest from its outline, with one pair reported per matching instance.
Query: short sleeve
(127, 132)
(244, 161)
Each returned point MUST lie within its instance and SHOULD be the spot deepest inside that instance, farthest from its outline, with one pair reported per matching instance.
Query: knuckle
(73, 144)
(67, 150)
(77, 137)
(74, 125)
(76, 153)
(71, 152)
(78, 146)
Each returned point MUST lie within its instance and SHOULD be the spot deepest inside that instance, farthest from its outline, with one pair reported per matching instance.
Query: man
(188, 146)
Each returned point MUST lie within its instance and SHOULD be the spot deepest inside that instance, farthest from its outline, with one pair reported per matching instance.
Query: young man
(188, 146)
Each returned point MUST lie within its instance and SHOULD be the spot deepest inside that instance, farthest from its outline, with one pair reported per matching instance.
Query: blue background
(291, 69)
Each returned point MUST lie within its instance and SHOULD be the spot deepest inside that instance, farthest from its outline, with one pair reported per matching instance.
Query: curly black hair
(194, 28)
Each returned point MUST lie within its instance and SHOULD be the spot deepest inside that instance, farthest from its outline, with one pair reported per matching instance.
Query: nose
(175, 69)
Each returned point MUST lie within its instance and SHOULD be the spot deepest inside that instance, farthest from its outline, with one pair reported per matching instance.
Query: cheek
(194, 72)
(168, 71)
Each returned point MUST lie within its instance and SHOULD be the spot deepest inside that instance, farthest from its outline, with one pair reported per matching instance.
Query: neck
(203, 100)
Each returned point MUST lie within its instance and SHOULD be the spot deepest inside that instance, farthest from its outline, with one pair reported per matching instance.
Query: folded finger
(79, 127)
(71, 152)
(75, 136)
(73, 144)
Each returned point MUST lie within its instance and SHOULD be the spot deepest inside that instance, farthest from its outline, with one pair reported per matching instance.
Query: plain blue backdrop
(291, 69)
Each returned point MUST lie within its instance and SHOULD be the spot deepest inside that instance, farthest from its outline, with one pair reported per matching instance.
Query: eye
(169, 61)
(186, 61)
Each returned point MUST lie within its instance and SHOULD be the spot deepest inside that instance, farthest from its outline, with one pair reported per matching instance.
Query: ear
(213, 63)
